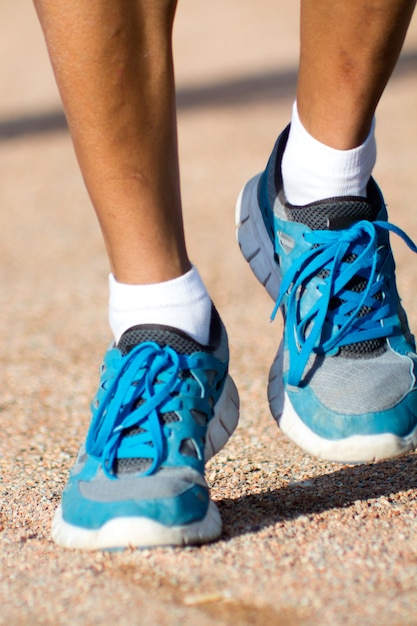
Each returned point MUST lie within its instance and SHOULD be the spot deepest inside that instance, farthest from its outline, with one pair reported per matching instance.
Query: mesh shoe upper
(347, 342)
(144, 453)
(156, 386)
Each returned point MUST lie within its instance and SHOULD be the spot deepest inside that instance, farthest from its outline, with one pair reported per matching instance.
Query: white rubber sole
(135, 532)
(355, 449)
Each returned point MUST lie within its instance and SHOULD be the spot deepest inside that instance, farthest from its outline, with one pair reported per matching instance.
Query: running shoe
(343, 383)
(164, 406)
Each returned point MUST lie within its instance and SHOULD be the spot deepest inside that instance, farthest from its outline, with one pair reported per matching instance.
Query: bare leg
(156, 406)
(113, 65)
(348, 52)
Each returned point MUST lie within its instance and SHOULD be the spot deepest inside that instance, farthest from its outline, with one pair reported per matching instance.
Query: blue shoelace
(325, 327)
(148, 381)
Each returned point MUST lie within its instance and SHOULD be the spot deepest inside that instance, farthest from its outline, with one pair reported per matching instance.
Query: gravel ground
(305, 542)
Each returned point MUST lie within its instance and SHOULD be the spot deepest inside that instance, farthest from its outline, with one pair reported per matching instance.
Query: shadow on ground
(231, 93)
(338, 490)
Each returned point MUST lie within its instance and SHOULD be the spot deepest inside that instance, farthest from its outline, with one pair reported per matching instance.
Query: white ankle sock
(312, 171)
(182, 303)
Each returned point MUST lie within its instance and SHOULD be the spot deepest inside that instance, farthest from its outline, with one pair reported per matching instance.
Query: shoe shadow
(338, 490)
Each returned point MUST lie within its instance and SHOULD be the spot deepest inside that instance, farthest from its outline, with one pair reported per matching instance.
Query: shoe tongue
(337, 214)
(332, 214)
(161, 335)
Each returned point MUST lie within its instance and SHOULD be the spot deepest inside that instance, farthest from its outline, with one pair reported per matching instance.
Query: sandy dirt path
(304, 542)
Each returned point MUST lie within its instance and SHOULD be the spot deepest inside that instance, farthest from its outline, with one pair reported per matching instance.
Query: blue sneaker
(343, 384)
(164, 406)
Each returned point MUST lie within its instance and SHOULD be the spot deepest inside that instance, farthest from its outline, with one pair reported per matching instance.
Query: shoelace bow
(326, 326)
(148, 372)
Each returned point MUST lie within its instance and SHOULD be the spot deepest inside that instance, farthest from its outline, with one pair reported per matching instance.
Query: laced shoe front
(343, 384)
(165, 405)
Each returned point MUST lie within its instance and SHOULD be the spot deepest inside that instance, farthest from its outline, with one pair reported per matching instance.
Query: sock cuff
(314, 171)
(182, 303)
(186, 288)
(361, 156)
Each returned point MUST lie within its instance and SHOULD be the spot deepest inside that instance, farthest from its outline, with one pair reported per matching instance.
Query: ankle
(313, 171)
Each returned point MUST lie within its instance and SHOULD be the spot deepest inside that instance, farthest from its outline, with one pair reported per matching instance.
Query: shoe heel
(253, 239)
